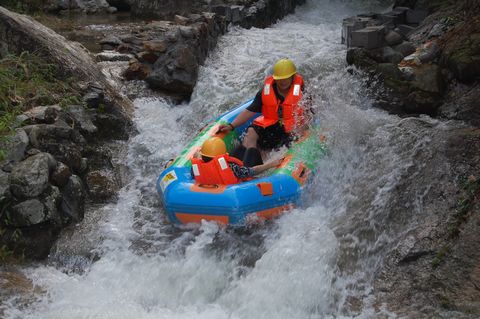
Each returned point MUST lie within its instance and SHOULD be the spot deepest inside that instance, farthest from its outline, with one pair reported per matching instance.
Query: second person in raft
(216, 167)
(278, 101)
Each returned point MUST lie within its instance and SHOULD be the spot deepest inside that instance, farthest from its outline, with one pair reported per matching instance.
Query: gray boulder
(422, 102)
(391, 56)
(81, 119)
(30, 177)
(51, 200)
(101, 185)
(362, 58)
(404, 30)
(43, 114)
(429, 52)
(428, 77)
(28, 213)
(389, 71)
(4, 185)
(111, 40)
(41, 133)
(73, 199)
(405, 48)
(60, 140)
(176, 71)
(463, 58)
(15, 146)
(93, 99)
(393, 38)
(61, 175)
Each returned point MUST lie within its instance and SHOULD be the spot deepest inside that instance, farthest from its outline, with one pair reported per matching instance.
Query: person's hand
(275, 163)
(225, 128)
(279, 161)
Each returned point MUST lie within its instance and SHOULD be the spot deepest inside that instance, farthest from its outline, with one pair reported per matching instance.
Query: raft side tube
(259, 198)
(233, 202)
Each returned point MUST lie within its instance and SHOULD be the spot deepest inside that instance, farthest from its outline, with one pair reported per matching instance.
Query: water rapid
(316, 262)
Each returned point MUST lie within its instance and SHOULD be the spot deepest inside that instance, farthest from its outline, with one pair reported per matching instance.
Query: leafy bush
(27, 81)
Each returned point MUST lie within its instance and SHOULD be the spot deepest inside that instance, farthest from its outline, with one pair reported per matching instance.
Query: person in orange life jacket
(216, 167)
(278, 103)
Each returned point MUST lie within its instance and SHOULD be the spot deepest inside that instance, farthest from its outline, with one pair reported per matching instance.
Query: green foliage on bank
(27, 81)
(465, 204)
(23, 6)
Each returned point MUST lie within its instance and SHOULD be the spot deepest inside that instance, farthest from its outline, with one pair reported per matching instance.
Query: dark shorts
(272, 137)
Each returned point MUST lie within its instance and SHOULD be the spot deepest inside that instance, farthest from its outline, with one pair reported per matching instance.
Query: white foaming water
(308, 263)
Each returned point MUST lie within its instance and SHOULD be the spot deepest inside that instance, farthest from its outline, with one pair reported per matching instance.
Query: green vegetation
(435, 5)
(440, 257)
(465, 205)
(10, 237)
(27, 81)
(23, 6)
(5, 252)
(471, 188)
(445, 302)
(59, 24)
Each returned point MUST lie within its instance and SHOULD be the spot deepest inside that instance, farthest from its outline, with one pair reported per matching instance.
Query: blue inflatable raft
(261, 198)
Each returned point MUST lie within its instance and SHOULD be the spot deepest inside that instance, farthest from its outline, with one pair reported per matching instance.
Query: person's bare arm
(243, 117)
(261, 168)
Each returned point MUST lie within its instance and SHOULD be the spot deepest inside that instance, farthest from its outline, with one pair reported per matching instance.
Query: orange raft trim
(273, 212)
(197, 218)
(212, 189)
(186, 218)
(266, 189)
(300, 173)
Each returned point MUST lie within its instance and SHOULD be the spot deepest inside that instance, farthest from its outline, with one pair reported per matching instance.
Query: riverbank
(428, 67)
(432, 68)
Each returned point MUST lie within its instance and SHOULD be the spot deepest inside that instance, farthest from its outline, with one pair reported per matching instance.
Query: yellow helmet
(212, 147)
(284, 69)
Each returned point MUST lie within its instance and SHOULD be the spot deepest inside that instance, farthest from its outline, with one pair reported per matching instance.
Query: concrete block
(369, 38)
(387, 20)
(351, 24)
(370, 15)
(401, 14)
(404, 29)
(393, 17)
(401, 9)
(416, 16)
(399, 17)
(223, 10)
(347, 25)
(236, 13)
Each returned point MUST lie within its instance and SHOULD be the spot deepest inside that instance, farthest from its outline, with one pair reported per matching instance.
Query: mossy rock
(389, 71)
(362, 59)
(422, 102)
(399, 86)
(464, 61)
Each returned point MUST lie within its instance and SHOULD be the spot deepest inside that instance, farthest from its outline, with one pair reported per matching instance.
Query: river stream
(318, 261)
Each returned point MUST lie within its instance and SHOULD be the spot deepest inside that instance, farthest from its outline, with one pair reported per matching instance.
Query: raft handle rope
(208, 185)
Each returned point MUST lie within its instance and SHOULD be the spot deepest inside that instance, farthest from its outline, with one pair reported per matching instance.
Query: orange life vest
(216, 171)
(292, 112)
